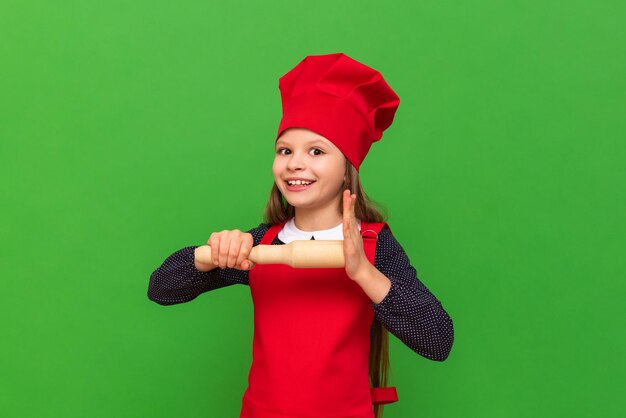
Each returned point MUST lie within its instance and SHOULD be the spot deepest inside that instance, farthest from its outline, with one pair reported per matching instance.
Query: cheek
(338, 171)
(276, 168)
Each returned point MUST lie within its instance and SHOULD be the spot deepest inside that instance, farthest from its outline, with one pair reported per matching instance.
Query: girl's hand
(231, 249)
(354, 254)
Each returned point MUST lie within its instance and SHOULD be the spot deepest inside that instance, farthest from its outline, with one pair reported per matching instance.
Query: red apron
(311, 341)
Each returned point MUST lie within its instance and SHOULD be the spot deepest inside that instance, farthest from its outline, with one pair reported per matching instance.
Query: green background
(132, 129)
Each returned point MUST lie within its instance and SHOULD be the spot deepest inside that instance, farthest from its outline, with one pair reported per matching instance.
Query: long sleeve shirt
(409, 310)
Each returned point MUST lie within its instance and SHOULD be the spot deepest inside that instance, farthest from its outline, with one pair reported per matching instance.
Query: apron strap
(369, 233)
(271, 233)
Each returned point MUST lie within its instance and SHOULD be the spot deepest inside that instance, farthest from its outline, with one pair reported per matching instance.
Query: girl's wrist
(374, 283)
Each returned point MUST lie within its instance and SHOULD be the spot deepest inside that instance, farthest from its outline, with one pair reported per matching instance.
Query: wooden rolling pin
(297, 254)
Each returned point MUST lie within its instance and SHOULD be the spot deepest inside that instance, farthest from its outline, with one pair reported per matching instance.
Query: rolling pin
(297, 254)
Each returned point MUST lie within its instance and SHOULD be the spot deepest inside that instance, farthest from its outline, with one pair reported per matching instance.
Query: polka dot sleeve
(409, 310)
(178, 280)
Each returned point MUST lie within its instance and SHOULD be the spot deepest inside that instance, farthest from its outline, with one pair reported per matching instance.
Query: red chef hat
(339, 98)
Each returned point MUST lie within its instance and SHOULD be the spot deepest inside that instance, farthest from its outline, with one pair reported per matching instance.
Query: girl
(320, 346)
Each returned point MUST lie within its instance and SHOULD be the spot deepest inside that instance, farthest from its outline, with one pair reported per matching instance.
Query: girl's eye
(280, 151)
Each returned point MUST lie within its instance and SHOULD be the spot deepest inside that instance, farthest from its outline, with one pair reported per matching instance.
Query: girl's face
(304, 154)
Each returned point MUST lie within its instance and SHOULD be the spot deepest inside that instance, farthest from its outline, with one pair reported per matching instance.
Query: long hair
(278, 210)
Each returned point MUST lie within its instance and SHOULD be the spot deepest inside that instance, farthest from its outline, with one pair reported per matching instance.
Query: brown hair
(278, 210)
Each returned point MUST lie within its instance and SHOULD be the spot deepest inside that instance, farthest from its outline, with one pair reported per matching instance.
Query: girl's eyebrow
(312, 141)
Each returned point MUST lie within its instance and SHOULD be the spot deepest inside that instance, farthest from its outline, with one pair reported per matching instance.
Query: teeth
(298, 182)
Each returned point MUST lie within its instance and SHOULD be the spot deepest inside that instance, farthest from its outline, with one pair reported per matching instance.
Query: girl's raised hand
(354, 254)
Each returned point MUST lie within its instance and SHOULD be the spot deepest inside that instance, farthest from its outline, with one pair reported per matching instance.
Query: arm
(178, 280)
(409, 310)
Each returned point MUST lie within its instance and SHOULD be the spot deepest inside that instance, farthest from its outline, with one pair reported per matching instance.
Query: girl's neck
(316, 220)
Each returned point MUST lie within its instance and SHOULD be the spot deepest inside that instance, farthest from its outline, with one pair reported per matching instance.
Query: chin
(300, 203)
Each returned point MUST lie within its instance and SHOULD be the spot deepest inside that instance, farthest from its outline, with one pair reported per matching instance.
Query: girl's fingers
(352, 203)
(347, 204)
(349, 217)
(214, 243)
(243, 253)
(346, 213)
(230, 248)
(233, 253)
(220, 253)
(224, 252)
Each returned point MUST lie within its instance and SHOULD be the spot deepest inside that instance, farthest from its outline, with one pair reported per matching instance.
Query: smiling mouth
(298, 187)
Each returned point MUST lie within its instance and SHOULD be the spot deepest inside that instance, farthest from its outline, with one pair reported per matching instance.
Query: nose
(296, 162)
